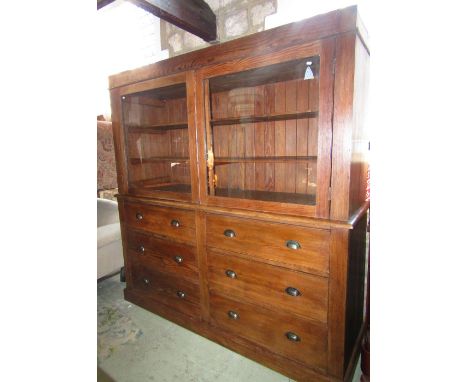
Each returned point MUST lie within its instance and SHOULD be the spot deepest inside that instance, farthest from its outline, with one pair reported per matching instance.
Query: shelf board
(157, 128)
(263, 118)
(179, 187)
(269, 196)
(159, 159)
(144, 101)
(150, 182)
(152, 185)
(275, 159)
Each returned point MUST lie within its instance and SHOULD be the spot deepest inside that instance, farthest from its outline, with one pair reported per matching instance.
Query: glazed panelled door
(156, 127)
(266, 128)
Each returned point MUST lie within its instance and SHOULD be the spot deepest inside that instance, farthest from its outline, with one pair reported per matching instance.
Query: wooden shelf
(159, 159)
(151, 182)
(158, 184)
(151, 129)
(269, 196)
(263, 118)
(275, 159)
(145, 101)
(179, 187)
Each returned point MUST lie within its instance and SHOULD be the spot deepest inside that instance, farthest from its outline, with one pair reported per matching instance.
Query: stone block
(236, 24)
(260, 11)
(191, 41)
(175, 42)
(214, 4)
(225, 3)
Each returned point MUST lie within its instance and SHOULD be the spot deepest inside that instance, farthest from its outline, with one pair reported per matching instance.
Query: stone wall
(234, 18)
(106, 168)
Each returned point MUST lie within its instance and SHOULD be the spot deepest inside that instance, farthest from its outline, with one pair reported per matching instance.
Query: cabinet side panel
(360, 137)
(123, 233)
(342, 125)
(337, 284)
(355, 289)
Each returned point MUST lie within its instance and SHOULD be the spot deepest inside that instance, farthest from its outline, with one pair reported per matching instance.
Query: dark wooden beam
(194, 16)
(103, 3)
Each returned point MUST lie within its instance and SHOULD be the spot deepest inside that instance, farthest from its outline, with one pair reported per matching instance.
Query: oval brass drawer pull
(233, 315)
(146, 281)
(178, 259)
(139, 216)
(229, 233)
(141, 249)
(175, 223)
(293, 244)
(292, 291)
(180, 294)
(230, 273)
(293, 337)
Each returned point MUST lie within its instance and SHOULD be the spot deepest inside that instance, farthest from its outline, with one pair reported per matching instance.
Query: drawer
(301, 248)
(163, 255)
(267, 285)
(177, 293)
(171, 222)
(307, 342)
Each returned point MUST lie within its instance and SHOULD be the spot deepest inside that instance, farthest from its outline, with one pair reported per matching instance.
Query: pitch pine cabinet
(242, 182)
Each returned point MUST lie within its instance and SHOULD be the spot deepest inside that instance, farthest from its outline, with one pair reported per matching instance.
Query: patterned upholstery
(106, 170)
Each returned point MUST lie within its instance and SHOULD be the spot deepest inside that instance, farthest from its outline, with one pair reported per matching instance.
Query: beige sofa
(109, 242)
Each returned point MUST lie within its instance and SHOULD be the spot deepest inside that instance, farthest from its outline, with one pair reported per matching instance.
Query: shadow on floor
(102, 376)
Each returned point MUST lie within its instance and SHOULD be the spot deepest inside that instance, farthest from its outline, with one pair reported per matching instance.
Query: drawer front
(307, 342)
(306, 249)
(267, 285)
(171, 222)
(177, 293)
(163, 255)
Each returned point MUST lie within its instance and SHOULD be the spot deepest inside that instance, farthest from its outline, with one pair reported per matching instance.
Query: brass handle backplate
(210, 159)
(292, 291)
(233, 315)
(293, 244)
(230, 273)
(229, 233)
(178, 259)
(293, 337)
(180, 294)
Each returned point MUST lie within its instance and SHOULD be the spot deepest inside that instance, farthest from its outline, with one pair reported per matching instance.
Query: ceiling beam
(194, 16)
(103, 3)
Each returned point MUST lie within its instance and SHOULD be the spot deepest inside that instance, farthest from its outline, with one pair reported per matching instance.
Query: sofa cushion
(107, 234)
(107, 212)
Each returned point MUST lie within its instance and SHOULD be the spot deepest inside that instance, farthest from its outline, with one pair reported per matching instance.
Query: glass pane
(263, 133)
(157, 140)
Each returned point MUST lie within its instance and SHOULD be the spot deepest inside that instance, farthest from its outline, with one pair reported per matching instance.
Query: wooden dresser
(242, 192)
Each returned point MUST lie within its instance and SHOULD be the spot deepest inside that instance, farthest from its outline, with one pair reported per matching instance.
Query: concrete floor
(135, 345)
